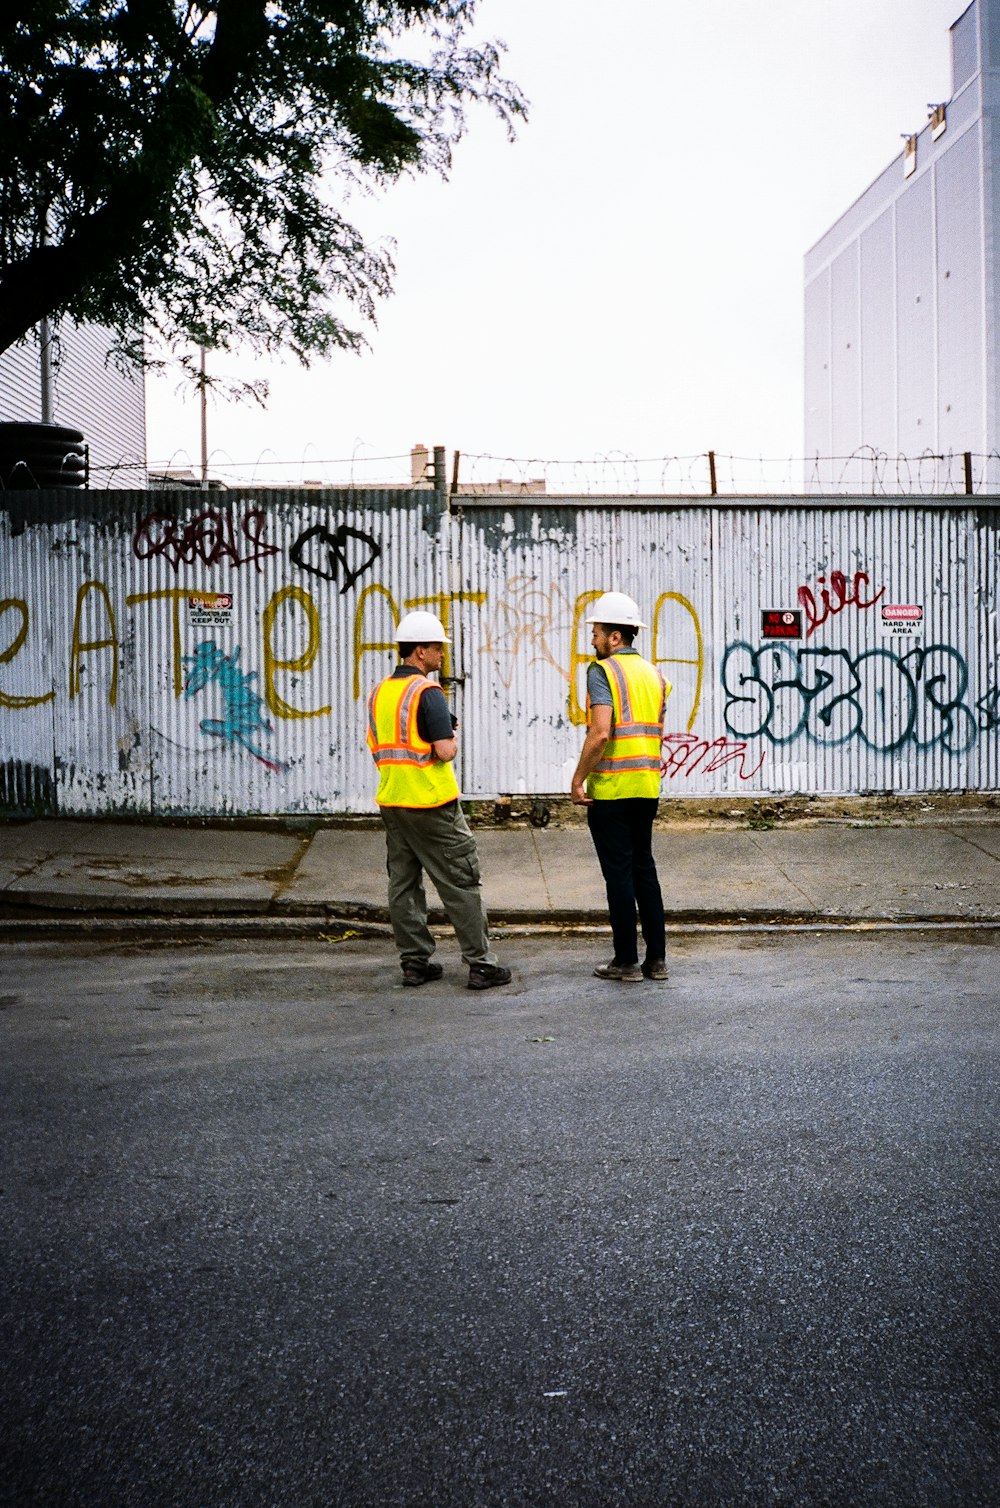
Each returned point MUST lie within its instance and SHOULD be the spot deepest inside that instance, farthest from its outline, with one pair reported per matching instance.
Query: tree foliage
(178, 166)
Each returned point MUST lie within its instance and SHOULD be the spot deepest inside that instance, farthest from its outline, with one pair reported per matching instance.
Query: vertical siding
(845, 368)
(27, 672)
(960, 320)
(20, 383)
(915, 348)
(113, 698)
(818, 416)
(90, 393)
(878, 336)
(928, 290)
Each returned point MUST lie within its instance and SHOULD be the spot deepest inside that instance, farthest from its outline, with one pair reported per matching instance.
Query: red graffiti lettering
(684, 753)
(835, 598)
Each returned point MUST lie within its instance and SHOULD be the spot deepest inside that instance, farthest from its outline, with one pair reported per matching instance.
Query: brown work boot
(484, 976)
(654, 968)
(421, 973)
(624, 973)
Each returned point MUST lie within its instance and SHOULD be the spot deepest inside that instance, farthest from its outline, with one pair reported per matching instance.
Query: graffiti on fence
(212, 536)
(828, 696)
(685, 754)
(327, 554)
(545, 626)
(13, 649)
(528, 623)
(96, 646)
(377, 611)
(674, 627)
(242, 721)
(988, 707)
(834, 598)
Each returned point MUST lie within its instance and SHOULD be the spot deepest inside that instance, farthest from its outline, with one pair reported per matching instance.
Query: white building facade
(902, 360)
(89, 392)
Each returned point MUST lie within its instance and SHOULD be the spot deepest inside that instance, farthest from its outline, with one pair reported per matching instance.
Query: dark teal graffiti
(242, 707)
(884, 700)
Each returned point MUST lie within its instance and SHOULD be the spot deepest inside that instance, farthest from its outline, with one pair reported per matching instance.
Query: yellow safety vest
(630, 764)
(410, 773)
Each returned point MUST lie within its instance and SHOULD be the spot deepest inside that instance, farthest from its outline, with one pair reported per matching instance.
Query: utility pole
(202, 385)
(45, 337)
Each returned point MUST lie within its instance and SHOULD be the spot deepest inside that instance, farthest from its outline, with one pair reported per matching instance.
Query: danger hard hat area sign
(901, 617)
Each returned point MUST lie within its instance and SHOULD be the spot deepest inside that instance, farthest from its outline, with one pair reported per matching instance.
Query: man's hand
(598, 733)
(445, 749)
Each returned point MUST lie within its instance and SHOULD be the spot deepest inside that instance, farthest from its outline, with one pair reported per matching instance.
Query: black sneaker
(483, 976)
(654, 968)
(421, 973)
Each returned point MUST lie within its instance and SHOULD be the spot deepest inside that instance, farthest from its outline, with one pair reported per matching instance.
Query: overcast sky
(624, 280)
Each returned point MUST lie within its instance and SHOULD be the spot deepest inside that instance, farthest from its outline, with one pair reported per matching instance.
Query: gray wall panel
(915, 344)
(878, 334)
(960, 322)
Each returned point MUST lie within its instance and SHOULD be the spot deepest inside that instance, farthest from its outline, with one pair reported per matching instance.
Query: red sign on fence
(780, 623)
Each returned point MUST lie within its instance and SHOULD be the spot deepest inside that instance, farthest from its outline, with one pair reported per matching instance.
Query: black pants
(623, 837)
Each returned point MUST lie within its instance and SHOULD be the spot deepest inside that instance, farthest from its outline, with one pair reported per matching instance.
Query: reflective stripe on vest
(410, 773)
(630, 764)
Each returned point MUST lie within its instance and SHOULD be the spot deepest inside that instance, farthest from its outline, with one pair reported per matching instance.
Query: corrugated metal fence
(166, 653)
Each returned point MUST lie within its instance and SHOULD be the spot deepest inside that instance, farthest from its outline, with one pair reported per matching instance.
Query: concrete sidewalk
(75, 876)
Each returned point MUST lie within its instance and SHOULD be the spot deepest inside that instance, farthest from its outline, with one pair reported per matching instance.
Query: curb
(347, 926)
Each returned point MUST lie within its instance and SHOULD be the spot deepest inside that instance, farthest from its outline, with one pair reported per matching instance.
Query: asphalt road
(277, 1231)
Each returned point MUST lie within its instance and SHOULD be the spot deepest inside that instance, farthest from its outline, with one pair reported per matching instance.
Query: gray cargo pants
(435, 840)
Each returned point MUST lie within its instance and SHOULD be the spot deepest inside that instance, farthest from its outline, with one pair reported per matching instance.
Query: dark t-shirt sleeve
(433, 717)
(598, 686)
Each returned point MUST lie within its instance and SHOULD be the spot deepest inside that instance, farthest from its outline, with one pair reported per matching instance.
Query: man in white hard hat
(411, 734)
(618, 780)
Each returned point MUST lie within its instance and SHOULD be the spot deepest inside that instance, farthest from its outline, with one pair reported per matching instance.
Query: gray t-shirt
(598, 685)
(433, 717)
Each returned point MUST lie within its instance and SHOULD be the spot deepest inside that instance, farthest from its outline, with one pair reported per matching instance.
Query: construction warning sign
(902, 618)
(207, 609)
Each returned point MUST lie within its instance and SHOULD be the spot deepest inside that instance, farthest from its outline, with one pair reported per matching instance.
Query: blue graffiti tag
(242, 717)
(885, 700)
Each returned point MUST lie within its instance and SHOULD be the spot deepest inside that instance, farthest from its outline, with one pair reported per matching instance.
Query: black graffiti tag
(324, 554)
(211, 536)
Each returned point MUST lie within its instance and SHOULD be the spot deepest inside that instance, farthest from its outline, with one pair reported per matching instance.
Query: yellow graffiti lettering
(362, 646)
(175, 595)
(302, 662)
(692, 621)
(85, 646)
(578, 704)
(7, 699)
(441, 605)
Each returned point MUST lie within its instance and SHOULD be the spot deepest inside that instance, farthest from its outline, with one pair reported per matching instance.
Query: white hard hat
(421, 628)
(615, 607)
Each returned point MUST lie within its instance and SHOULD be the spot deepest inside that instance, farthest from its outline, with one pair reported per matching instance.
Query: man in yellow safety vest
(618, 780)
(411, 734)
